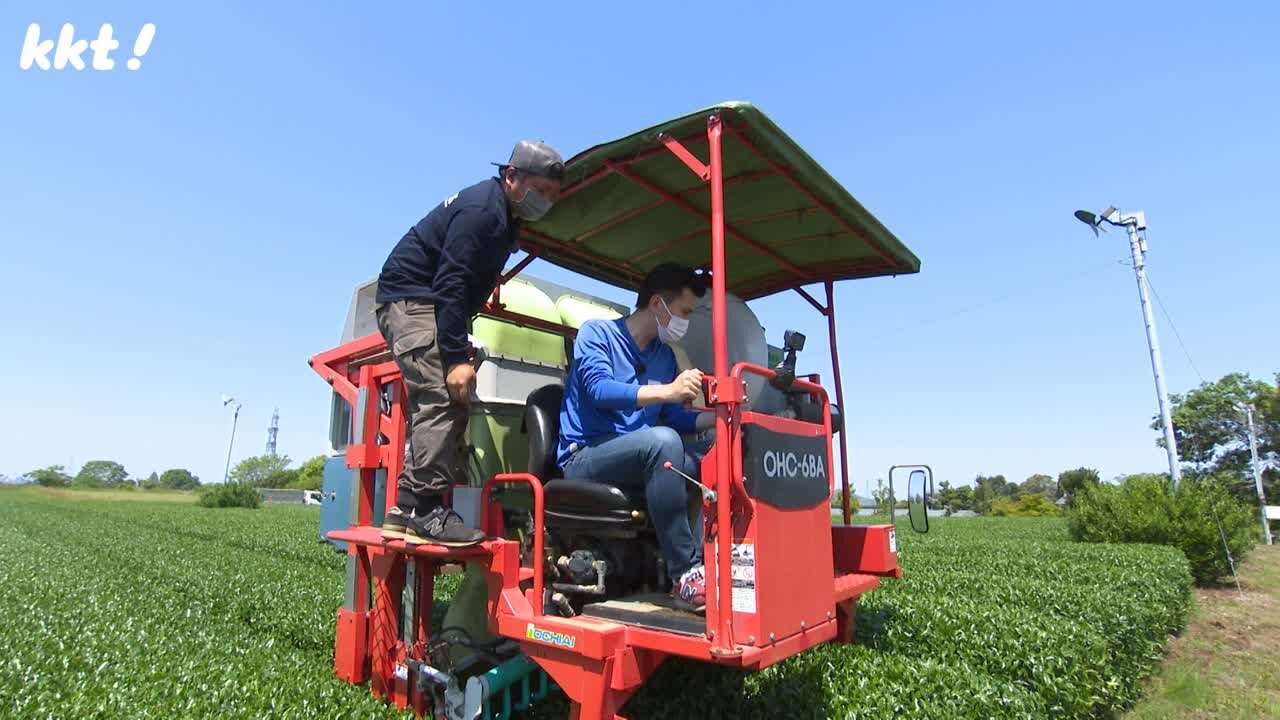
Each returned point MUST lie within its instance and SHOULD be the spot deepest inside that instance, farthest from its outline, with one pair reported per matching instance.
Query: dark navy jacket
(452, 259)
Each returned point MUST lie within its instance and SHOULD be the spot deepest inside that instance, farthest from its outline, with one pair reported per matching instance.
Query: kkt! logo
(68, 50)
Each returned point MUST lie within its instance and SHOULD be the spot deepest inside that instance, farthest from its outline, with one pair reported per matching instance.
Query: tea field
(166, 610)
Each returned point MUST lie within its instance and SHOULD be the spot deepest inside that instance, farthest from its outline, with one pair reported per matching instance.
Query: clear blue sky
(197, 226)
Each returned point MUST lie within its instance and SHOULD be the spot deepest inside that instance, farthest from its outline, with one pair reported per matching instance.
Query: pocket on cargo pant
(411, 340)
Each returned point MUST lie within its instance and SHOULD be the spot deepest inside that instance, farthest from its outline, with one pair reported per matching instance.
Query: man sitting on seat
(623, 415)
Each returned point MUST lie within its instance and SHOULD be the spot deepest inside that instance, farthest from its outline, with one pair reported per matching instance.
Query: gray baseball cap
(536, 158)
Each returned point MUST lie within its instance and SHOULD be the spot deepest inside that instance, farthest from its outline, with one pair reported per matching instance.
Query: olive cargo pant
(437, 427)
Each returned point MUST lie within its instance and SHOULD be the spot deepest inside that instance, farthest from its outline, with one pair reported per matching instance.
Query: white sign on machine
(743, 569)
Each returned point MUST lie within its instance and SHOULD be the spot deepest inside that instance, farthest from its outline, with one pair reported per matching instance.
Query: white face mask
(675, 328)
(532, 207)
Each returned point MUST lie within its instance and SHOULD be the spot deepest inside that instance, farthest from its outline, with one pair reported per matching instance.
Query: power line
(1174, 325)
(1022, 292)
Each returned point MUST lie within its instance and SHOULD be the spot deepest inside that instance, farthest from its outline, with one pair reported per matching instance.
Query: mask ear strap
(515, 178)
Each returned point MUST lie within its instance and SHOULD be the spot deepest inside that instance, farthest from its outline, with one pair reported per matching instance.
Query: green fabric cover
(468, 611)
(494, 433)
(510, 340)
(576, 311)
(643, 230)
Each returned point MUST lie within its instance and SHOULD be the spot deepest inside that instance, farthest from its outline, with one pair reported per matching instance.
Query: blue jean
(635, 462)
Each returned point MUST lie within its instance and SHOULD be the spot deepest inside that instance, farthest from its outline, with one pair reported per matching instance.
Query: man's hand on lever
(684, 390)
(686, 387)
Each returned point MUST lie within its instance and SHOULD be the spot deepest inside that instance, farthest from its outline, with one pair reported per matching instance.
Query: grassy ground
(130, 605)
(1226, 664)
(78, 495)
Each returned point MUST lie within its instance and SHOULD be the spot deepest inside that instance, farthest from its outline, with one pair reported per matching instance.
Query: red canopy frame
(712, 175)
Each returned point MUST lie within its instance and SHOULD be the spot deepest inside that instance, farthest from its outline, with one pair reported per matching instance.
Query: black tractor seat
(570, 502)
(587, 501)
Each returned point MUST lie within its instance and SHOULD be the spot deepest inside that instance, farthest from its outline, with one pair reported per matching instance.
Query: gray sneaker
(441, 526)
(395, 525)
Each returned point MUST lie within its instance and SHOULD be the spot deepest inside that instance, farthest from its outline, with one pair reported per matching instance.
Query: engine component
(562, 604)
(745, 342)
(585, 570)
(579, 567)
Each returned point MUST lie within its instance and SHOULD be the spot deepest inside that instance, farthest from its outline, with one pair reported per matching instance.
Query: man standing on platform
(436, 279)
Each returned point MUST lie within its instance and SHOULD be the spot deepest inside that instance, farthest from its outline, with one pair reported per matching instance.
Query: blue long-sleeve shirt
(604, 380)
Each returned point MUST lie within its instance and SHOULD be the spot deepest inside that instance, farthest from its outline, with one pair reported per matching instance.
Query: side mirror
(917, 501)
(919, 487)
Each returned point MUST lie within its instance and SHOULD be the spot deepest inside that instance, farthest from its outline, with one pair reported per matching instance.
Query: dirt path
(1226, 664)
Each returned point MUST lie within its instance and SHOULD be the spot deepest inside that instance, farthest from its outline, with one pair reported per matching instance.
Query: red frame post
(530, 256)
(425, 598)
(835, 369)
(722, 575)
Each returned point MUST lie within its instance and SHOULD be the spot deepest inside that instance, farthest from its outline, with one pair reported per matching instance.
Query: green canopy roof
(631, 204)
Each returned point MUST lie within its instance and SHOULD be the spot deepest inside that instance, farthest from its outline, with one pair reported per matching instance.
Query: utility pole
(1135, 223)
(1257, 474)
(1138, 246)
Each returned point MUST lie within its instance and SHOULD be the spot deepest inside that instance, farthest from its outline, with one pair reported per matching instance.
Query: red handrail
(769, 374)
(802, 384)
(538, 560)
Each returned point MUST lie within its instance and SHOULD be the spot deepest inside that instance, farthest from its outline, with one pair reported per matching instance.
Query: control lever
(479, 353)
(706, 396)
(708, 495)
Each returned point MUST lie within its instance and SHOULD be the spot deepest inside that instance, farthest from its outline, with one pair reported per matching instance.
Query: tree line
(260, 471)
(1211, 429)
(1039, 494)
(273, 471)
(98, 474)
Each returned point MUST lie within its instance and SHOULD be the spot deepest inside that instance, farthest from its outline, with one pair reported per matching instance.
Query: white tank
(745, 342)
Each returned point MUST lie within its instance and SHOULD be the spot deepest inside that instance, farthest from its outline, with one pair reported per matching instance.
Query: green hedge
(229, 494)
(1145, 509)
(1028, 505)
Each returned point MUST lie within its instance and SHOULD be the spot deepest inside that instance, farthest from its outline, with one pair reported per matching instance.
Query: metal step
(656, 611)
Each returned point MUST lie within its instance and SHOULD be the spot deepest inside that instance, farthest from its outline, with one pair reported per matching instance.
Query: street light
(1136, 225)
(227, 400)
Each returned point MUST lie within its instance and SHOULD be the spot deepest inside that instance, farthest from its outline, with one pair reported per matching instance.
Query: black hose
(468, 642)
